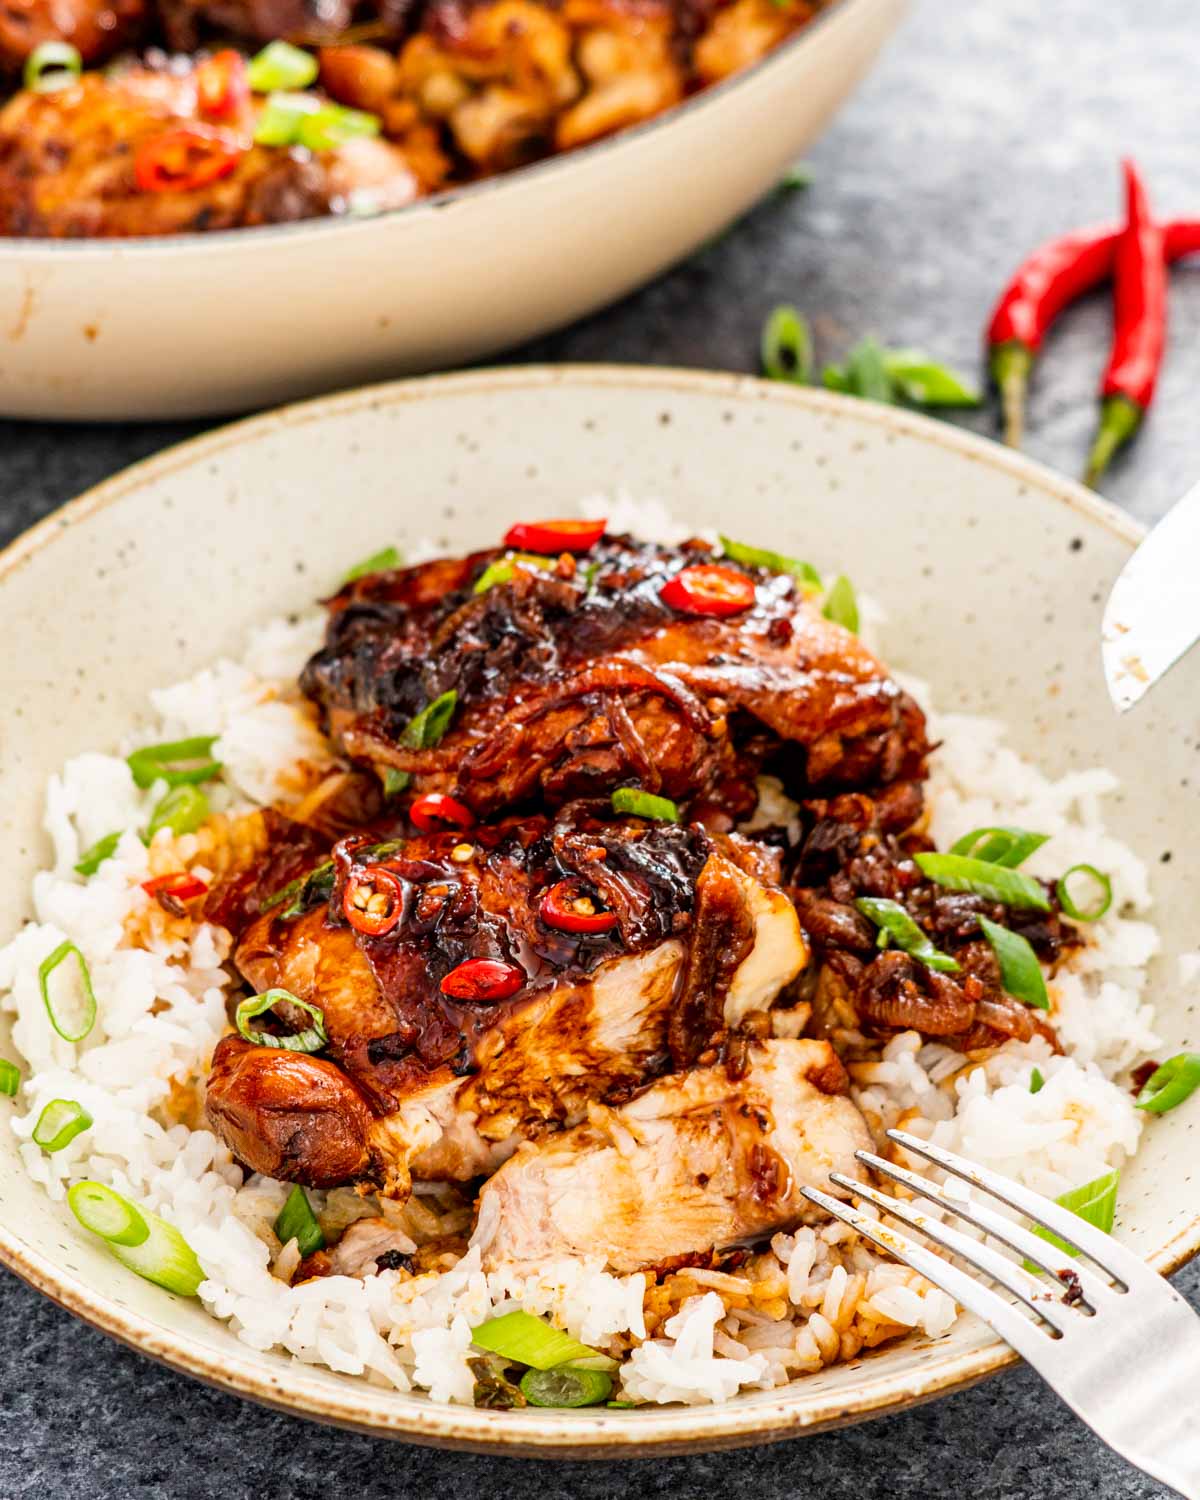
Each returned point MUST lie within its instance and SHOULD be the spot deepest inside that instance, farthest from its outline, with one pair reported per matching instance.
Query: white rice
(816, 1296)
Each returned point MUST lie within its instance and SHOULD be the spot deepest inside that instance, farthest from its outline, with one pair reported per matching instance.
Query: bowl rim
(659, 1431)
(267, 235)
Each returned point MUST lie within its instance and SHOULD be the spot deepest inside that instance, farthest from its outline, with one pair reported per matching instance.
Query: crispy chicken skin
(579, 679)
(67, 165)
(697, 1162)
(453, 1085)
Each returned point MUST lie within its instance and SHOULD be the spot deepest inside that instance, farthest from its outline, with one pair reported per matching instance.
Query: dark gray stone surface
(987, 128)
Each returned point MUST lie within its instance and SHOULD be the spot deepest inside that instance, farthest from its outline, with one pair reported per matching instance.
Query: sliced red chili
(180, 160)
(709, 589)
(570, 907)
(222, 85)
(554, 536)
(373, 901)
(483, 979)
(437, 810)
(181, 884)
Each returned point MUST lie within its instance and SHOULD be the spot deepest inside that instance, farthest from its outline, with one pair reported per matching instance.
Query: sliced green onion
(430, 725)
(798, 176)
(761, 557)
(892, 920)
(503, 569)
(59, 1123)
(1009, 847)
(866, 373)
(1095, 1203)
(629, 799)
(161, 1255)
(786, 347)
(281, 66)
(312, 1039)
(52, 66)
(333, 125)
(1097, 908)
(10, 1077)
(840, 604)
(1036, 1082)
(279, 119)
(91, 859)
(72, 1014)
(567, 1385)
(394, 782)
(926, 382)
(182, 810)
(959, 872)
(378, 562)
(297, 1222)
(178, 762)
(1176, 1080)
(527, 1340)
(1020, 973)
(107, 1214)
(303, 892)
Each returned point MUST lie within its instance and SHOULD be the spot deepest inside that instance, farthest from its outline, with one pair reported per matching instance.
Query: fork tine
(1026, 1288)
(1114, 1259)
(1023, 1240)
(1026, 1337)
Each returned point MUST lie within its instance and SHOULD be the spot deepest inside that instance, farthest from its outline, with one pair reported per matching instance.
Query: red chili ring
(558, 910)
(377, 881)
(178, 161)
(483, 979)
(709, 589)
(554, 536)
(181, 884)
(222, 85)
(436, 810)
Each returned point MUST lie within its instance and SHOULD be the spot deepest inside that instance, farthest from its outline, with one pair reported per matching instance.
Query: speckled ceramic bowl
(993, 572)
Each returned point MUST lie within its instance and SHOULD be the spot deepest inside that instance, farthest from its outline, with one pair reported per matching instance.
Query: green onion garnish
(72, 1010)
(840, 604)
(52, 66)
(1176, 1080)
(394, 781)
(297, 1222)
(333, 125)
(762, 557)
(566, 1386)
(527, 1340)
(91, 859)
(162, 1255)
(503, 569)
(629, 799)
(925, 382)
(178, 762)
(959, 872)
(429, 726)
(312, 1039)
(1009, 847)
(59, 1123)
(303, 892)
(281, 66)
(798, 176)
(10, 1077)
(182, 810)
(107, 1214)
(1020, 973)
(279, 119)
(1036, 1081)
(378, 562)
(786, 347)
(1095, 1203)
(1097, 908)
(895, 924)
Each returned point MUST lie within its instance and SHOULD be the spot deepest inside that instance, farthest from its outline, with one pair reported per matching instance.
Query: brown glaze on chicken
(697, 1162)
(578, 678)
(453, 1084)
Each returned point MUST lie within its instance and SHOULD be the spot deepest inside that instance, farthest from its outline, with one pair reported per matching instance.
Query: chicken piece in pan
(479, 990)
(132, 155)
(705, 1160)
(630, 664)
(95, 28)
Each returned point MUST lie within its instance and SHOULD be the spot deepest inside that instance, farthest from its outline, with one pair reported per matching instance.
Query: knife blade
(1153, 612)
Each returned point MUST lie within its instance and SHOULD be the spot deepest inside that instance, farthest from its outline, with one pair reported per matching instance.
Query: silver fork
(1113, 1338)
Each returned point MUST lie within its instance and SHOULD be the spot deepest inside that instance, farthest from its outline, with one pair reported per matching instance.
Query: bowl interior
(993, 573)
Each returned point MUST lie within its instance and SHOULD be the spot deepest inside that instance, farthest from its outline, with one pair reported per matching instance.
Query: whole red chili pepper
(1054, 276)
(1139, 327)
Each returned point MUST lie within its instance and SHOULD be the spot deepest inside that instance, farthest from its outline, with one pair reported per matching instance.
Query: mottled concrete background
(990, 125)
